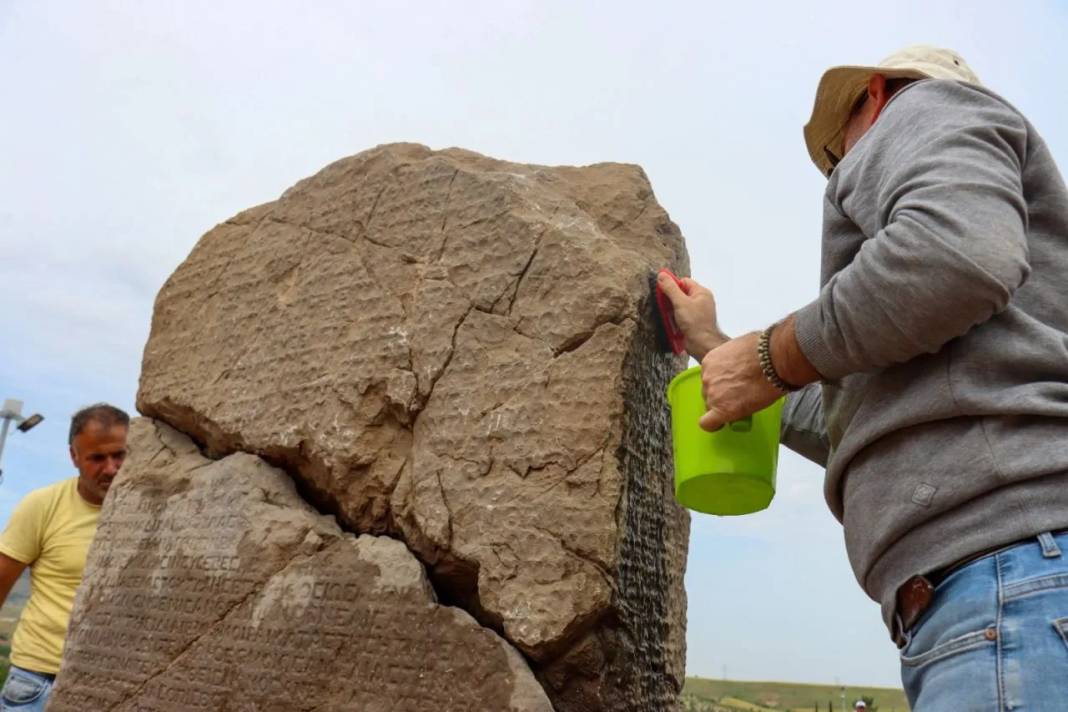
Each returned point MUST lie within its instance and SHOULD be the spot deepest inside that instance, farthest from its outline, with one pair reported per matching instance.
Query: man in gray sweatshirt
(930, 376)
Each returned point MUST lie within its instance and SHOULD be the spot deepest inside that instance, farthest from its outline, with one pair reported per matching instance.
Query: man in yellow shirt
(50, 531)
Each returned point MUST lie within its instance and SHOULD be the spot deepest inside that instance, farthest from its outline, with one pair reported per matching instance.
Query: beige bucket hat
(840, 87)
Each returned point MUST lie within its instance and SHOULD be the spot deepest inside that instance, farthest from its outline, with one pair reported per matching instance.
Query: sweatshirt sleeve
(936, 186)
(803, 428)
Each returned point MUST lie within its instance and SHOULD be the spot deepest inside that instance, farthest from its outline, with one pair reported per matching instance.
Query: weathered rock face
(211, 585)
(456, 352)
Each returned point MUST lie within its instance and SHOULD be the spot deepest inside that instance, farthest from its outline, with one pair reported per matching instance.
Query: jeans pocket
(1061, 626)
(22, 688)
(953, 646)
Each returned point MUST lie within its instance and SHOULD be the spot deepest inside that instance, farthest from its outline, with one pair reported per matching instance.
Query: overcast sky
(129, 129)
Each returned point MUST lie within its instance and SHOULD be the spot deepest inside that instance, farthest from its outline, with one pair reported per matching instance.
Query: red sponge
(672, 336)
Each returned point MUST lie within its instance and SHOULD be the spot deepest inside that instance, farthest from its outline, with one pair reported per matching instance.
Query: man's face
(97, 452)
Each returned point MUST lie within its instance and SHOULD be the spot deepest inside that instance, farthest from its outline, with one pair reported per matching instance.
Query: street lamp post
(12, 412)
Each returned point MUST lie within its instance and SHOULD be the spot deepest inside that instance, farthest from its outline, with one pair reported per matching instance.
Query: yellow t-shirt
(50, 530)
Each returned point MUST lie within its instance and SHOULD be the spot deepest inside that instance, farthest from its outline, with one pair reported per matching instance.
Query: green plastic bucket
(730, 471)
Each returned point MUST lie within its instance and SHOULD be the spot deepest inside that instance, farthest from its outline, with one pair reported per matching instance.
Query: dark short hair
(107, 416)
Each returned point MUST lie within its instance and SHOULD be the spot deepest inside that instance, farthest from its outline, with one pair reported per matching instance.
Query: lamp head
(29, 423)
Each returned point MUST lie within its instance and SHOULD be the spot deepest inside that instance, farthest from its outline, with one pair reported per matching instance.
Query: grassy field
(704, 695)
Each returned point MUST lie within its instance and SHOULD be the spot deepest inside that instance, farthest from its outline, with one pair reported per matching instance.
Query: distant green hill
(704, 695)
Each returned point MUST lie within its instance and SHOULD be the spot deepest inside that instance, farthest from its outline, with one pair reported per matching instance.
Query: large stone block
(211, 585)
(457, 352)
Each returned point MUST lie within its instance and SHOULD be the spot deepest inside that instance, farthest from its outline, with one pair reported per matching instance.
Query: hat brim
(838, 91)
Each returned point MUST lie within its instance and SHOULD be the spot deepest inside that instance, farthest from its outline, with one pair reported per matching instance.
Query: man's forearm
(712, 341)
(787, 357)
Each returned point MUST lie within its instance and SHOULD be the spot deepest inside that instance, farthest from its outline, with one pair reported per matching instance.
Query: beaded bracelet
(764, 354)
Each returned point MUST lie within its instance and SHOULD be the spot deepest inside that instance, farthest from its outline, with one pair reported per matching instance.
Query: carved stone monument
(214, 586)
(438, 347)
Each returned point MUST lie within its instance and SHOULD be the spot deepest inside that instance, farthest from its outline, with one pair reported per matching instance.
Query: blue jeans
(25, 691)
(996, 635)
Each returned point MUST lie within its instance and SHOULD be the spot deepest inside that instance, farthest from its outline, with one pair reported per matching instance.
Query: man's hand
(733, 384)
(695, 314)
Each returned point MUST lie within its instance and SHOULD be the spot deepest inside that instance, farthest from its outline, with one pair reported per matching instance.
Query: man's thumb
(711, 421)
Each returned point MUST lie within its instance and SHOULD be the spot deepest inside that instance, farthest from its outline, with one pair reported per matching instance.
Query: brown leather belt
(915, 595)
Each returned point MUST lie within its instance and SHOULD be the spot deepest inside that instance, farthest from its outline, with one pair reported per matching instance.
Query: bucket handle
(741, 426)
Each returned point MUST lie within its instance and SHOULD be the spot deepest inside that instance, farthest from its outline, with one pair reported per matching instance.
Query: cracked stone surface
(212, 585)
(456, 352)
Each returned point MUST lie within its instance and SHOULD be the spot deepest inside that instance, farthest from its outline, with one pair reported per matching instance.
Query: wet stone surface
(212, 586)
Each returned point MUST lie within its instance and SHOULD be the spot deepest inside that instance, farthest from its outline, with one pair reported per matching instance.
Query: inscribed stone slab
(457, 351)
(212, 586)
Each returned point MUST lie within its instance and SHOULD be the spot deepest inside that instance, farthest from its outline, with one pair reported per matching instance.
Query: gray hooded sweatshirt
(941, 330)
